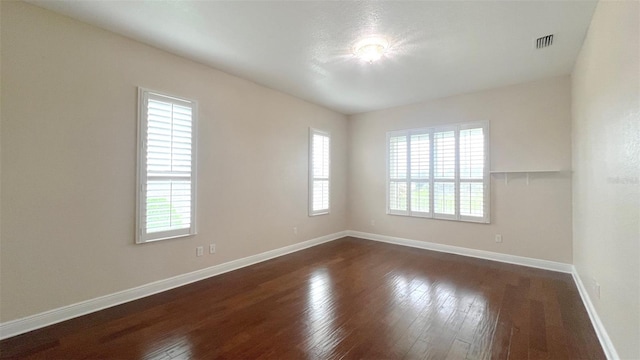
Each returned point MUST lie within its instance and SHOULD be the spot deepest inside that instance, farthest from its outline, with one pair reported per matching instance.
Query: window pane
(444, 198)
(166, 163)
(320, 195)
(420, 196)
(398, 157)
(420, 156)
(472, 154)
(169, 133)
(320, 156)
(168, 205)
(320, 168)
(398, 195)
(472, 199)
(444, 154)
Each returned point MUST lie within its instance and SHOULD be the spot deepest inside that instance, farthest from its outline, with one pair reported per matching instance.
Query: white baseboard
(603, 336)
(29, 323)
(488, 255)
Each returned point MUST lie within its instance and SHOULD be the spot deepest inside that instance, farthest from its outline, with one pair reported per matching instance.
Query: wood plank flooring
(347, 299)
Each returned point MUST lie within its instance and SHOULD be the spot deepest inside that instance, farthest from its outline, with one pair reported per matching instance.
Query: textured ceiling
(304, 48)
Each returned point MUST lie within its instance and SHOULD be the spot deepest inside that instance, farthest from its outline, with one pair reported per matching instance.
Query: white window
(166, 167)
(319, 165)
(440, 172)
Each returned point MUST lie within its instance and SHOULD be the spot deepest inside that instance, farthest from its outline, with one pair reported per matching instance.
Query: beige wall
(606, 163)
(530, 130)
(68, 120)
(68, 156)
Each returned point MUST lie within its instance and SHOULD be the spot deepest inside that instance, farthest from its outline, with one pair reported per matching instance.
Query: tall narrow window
(166, 167)
(420, 156)
(444, 173)
(472, 172)
(319, 166)
(398, 174)
(439, 172)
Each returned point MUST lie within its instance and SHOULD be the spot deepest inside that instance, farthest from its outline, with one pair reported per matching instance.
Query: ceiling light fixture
(371, 49)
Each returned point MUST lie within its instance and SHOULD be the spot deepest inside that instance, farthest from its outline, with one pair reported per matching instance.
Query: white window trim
(431, 214)
(313, 131)
(141, 176)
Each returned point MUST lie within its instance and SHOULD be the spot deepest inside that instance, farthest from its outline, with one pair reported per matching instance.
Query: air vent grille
(545, 41)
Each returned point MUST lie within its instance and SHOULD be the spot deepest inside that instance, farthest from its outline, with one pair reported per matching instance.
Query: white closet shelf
(523, 171)
(526, 172)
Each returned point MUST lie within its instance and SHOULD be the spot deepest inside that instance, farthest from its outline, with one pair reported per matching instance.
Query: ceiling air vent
(545, 41)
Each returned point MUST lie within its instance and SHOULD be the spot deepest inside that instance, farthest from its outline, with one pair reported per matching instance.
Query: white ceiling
(304, 48)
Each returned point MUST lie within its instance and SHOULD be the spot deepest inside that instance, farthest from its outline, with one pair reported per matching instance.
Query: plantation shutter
(398, 179)
(444, 174)
(319, 176)
(472, 173)
(167, 189)
(420, 163)
(439, 172)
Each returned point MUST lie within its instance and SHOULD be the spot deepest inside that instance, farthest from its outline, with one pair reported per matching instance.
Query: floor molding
(488, 255)
(33, 322)
(603, 336)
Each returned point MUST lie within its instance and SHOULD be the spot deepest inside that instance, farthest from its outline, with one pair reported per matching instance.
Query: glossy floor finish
(350, 298)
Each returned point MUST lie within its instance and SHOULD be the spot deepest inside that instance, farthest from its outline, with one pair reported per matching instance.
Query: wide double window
(440, 172)
(166, 167)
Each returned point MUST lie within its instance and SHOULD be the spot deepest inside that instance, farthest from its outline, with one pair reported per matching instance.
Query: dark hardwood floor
(350, 298)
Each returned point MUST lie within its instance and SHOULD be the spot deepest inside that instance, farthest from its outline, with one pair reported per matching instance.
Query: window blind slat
(471, 153)
(168, 205)
(398, 157)
(444, 198)
(420, 197)
(420, 156)
(398, 195)
(472, 199)
(444, 156)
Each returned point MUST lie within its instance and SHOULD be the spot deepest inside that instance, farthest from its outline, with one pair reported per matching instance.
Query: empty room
(319, 179)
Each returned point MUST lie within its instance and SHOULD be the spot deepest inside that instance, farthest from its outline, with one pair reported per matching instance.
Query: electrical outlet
(295, 230)
(212, 248)
(199, 251)
(596, 287)
(498, 238)
(373, 222)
